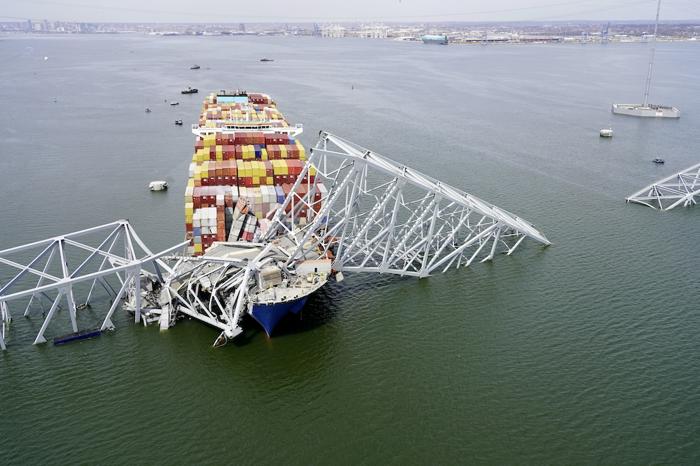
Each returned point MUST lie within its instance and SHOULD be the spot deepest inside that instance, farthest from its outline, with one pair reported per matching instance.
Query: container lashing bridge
(377, 216)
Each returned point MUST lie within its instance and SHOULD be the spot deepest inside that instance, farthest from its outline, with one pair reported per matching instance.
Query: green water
(583, 352)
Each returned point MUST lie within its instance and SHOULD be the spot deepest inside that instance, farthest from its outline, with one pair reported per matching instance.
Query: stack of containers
(237, 177)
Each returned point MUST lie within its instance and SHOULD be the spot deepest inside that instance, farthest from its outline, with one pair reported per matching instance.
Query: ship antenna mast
(651, 59)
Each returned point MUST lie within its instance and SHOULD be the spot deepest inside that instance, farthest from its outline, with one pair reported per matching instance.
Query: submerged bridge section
(48, 273)
(362, 212)
(681, 188)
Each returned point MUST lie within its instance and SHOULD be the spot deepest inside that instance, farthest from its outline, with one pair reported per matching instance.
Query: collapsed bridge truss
(380, 216)
(376, 216)
(681, 188)
(47, 273)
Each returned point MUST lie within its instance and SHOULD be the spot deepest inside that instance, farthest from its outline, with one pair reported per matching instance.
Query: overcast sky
(343, 10)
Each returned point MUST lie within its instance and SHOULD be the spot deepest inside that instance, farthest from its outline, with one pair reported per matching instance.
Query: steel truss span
(362, 212)
(678, 189)
(47, 273)
(380, 216)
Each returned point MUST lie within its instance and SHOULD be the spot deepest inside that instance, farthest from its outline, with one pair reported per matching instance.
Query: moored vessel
(647, 110)
(246, 159)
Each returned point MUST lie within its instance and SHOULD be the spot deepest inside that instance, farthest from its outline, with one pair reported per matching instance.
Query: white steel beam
(670, 192)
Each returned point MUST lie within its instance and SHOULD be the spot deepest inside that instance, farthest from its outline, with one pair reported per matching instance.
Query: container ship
(246, 159)
(265, 229)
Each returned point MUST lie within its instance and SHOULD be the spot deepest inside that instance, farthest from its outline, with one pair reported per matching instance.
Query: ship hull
(648, 111)
(268, 315)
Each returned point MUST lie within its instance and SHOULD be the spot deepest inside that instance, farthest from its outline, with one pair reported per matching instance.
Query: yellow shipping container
(197, 248)
(283, 151)
(279, 167)
(302, 151)
(263, 155)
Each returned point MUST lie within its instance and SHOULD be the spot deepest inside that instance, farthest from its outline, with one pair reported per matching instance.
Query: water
(583, 352)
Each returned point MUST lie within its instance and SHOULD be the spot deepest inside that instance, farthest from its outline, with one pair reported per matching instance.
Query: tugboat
(178, 122)
(266, 59)
(174, 103)
(194, 67)
(659, 160)
(189, 90)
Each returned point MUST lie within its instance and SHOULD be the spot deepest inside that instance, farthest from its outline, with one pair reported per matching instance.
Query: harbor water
(583, 352)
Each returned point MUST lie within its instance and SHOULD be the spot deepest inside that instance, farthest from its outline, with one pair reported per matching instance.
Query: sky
(259, 11)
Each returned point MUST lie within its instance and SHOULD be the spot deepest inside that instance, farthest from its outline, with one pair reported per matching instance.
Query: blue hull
(269, 315)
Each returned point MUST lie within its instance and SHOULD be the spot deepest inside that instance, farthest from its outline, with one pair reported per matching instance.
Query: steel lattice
(678, 189)
(379, 216)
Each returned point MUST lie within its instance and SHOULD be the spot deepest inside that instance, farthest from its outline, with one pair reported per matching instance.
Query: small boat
(266, 59)
(159, 185)
(189, 90)
(606, 133)
(178, 122)
(82, 335)
(174, 103)
(148, 110)
(659, 160)
(194, 67)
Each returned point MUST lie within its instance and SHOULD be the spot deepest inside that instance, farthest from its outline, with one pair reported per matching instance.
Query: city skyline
(277, 11)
